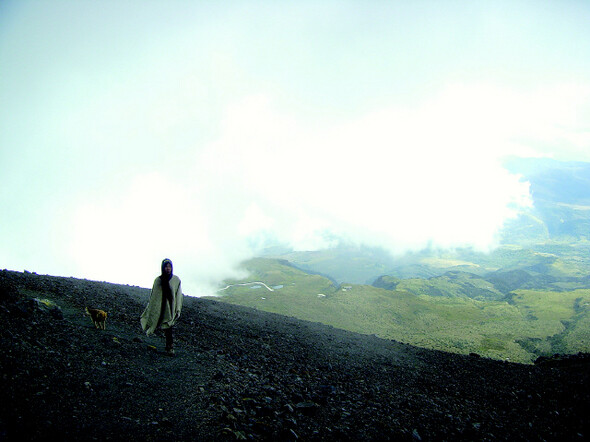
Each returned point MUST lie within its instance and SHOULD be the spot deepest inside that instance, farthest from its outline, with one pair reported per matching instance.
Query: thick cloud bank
(397, 179)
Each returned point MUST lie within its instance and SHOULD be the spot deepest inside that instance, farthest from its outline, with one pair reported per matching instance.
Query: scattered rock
(242, 374)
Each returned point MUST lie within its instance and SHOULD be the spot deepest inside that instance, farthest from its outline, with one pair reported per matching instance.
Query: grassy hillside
(557, 320)
(451, 285)
(521, 327)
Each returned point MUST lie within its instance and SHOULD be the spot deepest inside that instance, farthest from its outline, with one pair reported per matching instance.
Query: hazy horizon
(134, 131)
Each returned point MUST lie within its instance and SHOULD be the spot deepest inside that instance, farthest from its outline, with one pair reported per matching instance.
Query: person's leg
(169, 340)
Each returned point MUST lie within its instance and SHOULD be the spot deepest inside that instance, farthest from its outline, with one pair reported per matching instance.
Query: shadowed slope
(243, 373)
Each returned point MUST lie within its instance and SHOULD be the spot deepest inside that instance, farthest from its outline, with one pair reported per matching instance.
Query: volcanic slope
(240, 373)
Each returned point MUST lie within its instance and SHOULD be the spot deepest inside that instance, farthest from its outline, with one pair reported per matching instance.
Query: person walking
(164, 306)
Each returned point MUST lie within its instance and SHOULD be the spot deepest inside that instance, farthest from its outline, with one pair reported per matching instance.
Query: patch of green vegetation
(532, 323)
(453, 284)
(564, 319)
(387, 282)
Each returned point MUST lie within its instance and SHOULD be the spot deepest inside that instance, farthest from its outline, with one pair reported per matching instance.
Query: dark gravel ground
(244, 374)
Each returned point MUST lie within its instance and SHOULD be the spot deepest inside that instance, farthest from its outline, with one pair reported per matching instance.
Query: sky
(132, 131)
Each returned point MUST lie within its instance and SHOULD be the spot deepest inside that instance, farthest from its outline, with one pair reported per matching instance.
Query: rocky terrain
(242, 374)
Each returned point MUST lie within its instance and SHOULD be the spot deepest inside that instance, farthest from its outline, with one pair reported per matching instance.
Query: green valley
(437, 313)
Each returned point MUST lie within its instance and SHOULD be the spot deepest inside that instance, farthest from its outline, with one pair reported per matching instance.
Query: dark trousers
(169, 338)
(167, 331)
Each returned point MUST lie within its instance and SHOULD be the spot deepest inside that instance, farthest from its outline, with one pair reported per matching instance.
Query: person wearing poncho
(164, 306)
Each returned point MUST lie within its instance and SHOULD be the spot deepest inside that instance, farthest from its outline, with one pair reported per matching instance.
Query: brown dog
(99, 317)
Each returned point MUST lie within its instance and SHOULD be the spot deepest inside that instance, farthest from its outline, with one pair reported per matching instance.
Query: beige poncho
(150, 316)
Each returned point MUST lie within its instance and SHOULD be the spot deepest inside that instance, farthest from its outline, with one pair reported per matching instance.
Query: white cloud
(123, 239)
(400, 178)
(393, 176)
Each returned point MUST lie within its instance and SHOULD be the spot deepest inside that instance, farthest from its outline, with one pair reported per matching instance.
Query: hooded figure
(164, 306)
